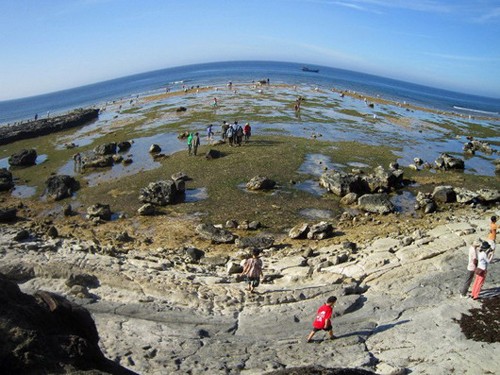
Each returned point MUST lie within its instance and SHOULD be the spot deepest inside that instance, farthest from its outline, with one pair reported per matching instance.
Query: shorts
(254, 281)
(329, 328)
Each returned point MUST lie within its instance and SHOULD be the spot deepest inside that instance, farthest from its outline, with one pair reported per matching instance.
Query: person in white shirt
(471, 267)
(483, 259)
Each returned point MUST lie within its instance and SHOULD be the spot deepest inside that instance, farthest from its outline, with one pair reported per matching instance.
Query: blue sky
(51, 45)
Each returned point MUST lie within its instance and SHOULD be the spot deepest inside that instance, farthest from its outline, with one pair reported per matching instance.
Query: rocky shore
(122, 255)
(40, 127)
(185, 309)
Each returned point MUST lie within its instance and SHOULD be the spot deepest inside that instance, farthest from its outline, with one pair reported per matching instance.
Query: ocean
(211, 74)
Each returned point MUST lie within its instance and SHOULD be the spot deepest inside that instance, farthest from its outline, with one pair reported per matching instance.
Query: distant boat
(306, 69)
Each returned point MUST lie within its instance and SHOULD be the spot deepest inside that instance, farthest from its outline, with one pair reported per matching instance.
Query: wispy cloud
(489, 15)
(464, 58)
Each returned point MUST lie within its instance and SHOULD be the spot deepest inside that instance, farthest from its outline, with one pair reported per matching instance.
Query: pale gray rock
(99, 211)
(320, 231)
(444, 194)
(299, 231)
(260, 183)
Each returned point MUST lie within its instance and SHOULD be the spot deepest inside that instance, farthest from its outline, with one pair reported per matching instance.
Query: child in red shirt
(323, 320)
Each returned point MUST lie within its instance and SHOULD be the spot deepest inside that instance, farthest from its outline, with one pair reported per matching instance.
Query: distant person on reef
(483, 259)
(492, 235)
(215, 104)
(252, 269)
(224, 128)
(239, 134)
(190, 143)
(471, 267)
(323, 320)
(210, 133)
(196, 143)
(230, 135)
(247, 132)
(36, 116)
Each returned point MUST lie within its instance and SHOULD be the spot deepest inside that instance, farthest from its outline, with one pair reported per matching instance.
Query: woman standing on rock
(252, 269)
(483, 259)
(471, 267)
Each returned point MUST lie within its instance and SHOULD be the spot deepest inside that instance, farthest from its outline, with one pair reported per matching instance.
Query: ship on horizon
(306, 69)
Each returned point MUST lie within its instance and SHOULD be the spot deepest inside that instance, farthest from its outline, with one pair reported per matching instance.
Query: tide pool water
(244, 72)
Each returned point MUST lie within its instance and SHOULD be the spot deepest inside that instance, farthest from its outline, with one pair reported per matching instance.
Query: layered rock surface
(163, 311)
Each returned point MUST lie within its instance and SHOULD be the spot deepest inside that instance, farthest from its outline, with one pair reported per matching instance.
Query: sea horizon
(239, 72)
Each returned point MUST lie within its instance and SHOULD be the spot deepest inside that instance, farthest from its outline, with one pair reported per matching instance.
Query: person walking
(323, 320)
(210, 133)
(190, 143)
(492, 234)
(483, 259)
(471, 267)
(196, 143)
(252, 269)
(247, 132)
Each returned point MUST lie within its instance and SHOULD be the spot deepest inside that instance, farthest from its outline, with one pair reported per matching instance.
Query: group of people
(252, 270)
(235, 134)
(480, 255)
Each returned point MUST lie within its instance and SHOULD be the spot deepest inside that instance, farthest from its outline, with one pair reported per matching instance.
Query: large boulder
(444, 194)
(46, 334)
(446, 161)
(320, 231)
(6, 181)
(258, 242)
(8, 214)
(160, 193)
(214, 234)
(106, 149)
(382, 180)
(60, 187)
(23, 158)
(260, 183)
(99, 211)
(97, 161)
(341, 183)
(376, 203)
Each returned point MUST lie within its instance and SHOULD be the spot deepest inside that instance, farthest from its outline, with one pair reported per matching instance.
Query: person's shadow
(370, 332)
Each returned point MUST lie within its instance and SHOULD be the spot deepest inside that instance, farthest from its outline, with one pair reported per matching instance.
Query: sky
(50, 45)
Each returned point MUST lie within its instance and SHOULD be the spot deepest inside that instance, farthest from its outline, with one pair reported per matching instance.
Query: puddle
(23, 191)
(311, 187)
(316, 164)
(404, 201)
(313, 213)
(195, 195)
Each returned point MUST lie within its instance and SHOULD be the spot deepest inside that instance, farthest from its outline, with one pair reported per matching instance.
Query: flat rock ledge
(161, 311)
(36, 128)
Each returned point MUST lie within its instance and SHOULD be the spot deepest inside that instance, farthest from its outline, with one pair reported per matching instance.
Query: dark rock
(214, 234)
(254, 225)
(299, 231)
(37, 128)
(22, 235)
(259, 242)
(8, 214)
(320, 231)
(52, 232)
(97, 161)
(181, 109)
(160, 193)
(68, 210)
(46, 333)
(123, 146)
(6, 181)
(341, 183)
(213, 154)
(194, 254)
(376, 203)
(60, 187)
(260, 183)
(84, 279)
(106, 149)
(99, 211)
(318, 370)
(154, 149)
(23, 158)
(231, 224)
(446, 161)
(444, 194)
(147, 210)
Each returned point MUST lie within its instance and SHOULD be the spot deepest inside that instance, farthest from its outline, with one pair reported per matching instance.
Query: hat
(485, 245)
